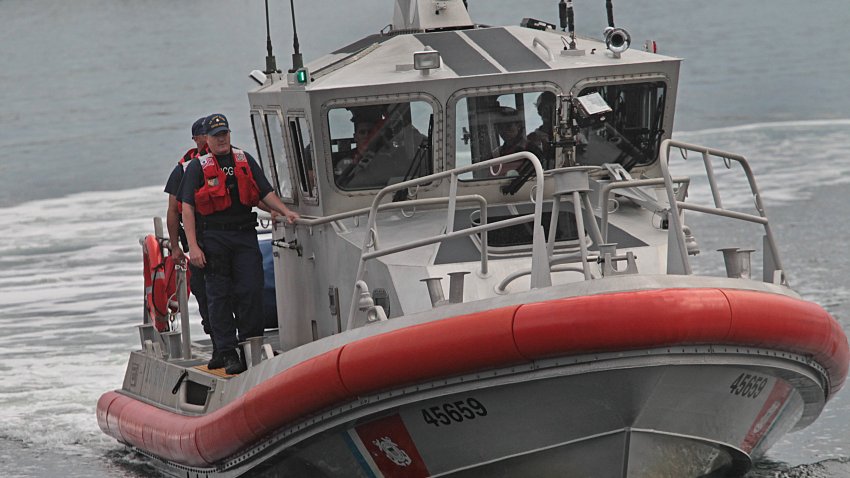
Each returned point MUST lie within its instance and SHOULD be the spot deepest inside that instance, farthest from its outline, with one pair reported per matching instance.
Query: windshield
(377, 145)
(631, 133)
(497, 125)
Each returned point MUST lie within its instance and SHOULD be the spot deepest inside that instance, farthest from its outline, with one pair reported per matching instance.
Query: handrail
(540, 270)
(317, 221)
(555, 264)
(626, 184)
(675, 220)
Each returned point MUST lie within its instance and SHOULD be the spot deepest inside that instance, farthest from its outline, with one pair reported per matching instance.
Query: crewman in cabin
(218, 192)
(175, 227)
(385, 144)
(511, 128)
(542, 135)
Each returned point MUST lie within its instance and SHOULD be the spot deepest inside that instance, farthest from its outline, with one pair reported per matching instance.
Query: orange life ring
(160, 282)
(156, 298)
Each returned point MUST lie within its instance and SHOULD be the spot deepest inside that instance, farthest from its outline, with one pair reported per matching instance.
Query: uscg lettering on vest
(213, 195)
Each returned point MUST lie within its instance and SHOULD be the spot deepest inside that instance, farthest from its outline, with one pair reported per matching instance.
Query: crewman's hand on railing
(179, 256)
(291, 216)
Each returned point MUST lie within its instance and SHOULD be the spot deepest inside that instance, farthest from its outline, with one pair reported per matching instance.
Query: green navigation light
(302, 76)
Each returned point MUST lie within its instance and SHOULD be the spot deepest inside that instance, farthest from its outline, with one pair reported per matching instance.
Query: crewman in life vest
(176, 234)
(218, 193)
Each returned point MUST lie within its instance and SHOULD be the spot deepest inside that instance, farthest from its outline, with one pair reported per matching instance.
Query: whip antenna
(565, 12)
(297, 61)
(610, 8)
(271, 63)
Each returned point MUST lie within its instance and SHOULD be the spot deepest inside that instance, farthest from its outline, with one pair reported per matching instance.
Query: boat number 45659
(454, 412)
(749, 386)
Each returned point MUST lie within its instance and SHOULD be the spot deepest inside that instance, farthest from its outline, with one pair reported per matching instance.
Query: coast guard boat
(498, 272)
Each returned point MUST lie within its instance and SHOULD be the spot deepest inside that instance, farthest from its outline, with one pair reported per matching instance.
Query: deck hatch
(506, 49)
(457, 54)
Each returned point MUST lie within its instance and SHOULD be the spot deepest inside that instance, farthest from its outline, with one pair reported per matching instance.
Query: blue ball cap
(216, 123)
(199, 127)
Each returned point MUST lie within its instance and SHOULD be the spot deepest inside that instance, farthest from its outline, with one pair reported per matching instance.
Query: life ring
(156, 298)
(160, 282)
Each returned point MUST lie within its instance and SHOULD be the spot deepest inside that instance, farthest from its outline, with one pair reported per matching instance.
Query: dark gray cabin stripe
(457, 54)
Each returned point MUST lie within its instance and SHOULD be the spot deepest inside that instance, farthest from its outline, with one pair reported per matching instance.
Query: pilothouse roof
(387, 59)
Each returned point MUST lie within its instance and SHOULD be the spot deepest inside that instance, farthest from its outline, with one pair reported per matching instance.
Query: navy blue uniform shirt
(174, 179)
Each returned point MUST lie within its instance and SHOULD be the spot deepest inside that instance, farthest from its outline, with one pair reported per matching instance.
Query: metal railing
(628, 184)
(677, 262)
(180, 301)
(371, 245)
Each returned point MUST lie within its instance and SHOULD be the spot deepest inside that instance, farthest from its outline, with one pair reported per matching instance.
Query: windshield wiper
(422, 151)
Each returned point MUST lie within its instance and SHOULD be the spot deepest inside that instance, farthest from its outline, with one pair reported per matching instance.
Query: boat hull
(675, 382)
(650, 414)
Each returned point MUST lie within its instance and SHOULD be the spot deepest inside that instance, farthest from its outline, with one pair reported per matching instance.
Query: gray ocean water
(96, 100)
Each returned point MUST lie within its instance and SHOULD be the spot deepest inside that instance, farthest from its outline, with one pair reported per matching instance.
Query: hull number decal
(454, 412)
(747, 385)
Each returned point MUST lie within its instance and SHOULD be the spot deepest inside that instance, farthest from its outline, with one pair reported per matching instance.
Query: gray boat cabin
(432, 93)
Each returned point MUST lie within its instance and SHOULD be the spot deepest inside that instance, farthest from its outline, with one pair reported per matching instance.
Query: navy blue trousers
(198, 285)
(234, 277)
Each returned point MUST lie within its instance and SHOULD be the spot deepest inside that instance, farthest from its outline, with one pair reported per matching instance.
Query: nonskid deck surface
(202, 350)
(218, 372)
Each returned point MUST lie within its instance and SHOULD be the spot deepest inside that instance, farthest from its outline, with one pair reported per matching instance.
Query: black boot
(217, 361)
(233, 364)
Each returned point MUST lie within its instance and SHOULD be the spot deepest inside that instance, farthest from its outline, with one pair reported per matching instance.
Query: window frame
(478, 91)
(296, 145)
(437, 139)
(263, 154)
(276, 171)
(619, 80)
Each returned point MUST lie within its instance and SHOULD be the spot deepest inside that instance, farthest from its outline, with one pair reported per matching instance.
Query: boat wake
(790, 159)
(70, 285)
(822, 469)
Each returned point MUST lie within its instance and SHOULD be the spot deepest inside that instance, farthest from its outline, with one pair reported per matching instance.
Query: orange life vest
(184, 161)
(213, 195)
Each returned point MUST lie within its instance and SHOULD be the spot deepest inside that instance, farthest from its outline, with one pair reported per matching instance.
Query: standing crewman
(175, 230)
(219, 192)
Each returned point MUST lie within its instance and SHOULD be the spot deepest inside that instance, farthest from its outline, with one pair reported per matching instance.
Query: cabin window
(377, 145)
(261, 143)
(279, 159)
(497, 125)
(303, 156)
(631, 133)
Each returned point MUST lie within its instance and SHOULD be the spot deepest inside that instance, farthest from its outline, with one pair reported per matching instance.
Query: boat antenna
(297, 61)
(610, 8)
(565, 12)
(271, 63)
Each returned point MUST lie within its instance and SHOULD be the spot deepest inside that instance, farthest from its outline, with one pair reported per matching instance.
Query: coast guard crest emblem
(393, 452)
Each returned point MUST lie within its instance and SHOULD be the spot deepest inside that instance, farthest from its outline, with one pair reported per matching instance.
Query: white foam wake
(70, 296)
(791, 160)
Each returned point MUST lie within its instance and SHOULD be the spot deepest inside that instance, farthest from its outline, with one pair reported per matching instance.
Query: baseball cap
(216, 123)
(198, 127)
